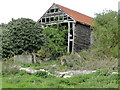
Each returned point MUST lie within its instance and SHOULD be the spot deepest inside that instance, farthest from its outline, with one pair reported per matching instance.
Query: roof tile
(76, 15)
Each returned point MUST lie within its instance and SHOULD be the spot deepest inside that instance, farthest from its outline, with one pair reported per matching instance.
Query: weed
(103, 72)
(41, 74)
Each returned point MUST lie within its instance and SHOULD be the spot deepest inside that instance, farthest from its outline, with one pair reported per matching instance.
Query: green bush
(34, 79)
(103, 72)
(105, 33)
(22, 72)
(20, 36)
(115, 77)
(42, 53)
(26, 65)
(66, 81)
(72, 60)
(41, 74)
(55, 40)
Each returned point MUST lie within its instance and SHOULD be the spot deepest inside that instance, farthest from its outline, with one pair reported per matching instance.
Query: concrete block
(23, 58)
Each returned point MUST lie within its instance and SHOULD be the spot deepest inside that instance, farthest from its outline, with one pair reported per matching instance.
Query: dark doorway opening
(70, 46)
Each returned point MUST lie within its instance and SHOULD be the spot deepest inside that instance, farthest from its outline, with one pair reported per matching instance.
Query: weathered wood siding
(81, 37)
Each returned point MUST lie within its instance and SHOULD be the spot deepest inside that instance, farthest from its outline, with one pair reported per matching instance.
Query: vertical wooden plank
(68, 37)
(49, 19)
(58, 17)
(91, 38)
(41, 20)
(73, 28)
(45, 19)
(33, 57)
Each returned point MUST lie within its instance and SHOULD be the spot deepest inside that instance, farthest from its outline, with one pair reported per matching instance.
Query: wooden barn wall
(81, 37)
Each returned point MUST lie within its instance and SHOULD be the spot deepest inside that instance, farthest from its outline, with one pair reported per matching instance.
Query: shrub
(41, 74)
(103, 72)
(22, 72)
(55, 40)
(72, 60)
(106, 33)
(26, 65)
(21, 35)
(42, 53)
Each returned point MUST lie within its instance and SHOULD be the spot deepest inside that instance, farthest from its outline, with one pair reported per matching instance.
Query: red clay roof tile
(76, 15)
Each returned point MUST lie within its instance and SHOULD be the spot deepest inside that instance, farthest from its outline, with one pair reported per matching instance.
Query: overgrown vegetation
(89, 60)
(106, 33)
(56, 40)
(99, 79)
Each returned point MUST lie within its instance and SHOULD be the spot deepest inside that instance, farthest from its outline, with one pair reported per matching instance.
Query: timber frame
(56, 15)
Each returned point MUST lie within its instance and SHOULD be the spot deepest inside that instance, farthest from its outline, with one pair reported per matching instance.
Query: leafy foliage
(55, 40)
(42, 53)
(103, 72)
(21, 35)
(41, 74)
(106, 32)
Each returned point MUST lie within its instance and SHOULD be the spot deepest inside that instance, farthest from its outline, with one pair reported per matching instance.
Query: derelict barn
(79, 37)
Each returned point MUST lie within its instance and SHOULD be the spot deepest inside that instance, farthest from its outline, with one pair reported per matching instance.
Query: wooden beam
(60, 22)
(68, 49)
(45, 19)
(71, 39)
(41, 20)
(73, 28)
(91, 38)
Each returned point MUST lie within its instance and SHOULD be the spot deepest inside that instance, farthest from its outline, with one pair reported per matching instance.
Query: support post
(45, 19)
(33, 57)
(68, 37)
(91, 38)
(73, 27)
(58, 17)
(41, 20)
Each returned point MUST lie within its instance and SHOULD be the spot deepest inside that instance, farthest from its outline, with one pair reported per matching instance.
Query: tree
(106, 32)
(21, 35)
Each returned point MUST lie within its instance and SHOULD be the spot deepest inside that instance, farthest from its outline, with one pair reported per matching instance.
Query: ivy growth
(55, 40)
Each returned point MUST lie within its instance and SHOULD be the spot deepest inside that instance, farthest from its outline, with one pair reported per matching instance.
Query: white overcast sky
(34, 9)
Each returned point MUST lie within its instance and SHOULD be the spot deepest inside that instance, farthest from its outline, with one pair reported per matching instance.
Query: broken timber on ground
(80, 36)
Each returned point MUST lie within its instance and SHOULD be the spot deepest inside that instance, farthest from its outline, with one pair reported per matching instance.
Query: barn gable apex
(60, 13)
(53, 15)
